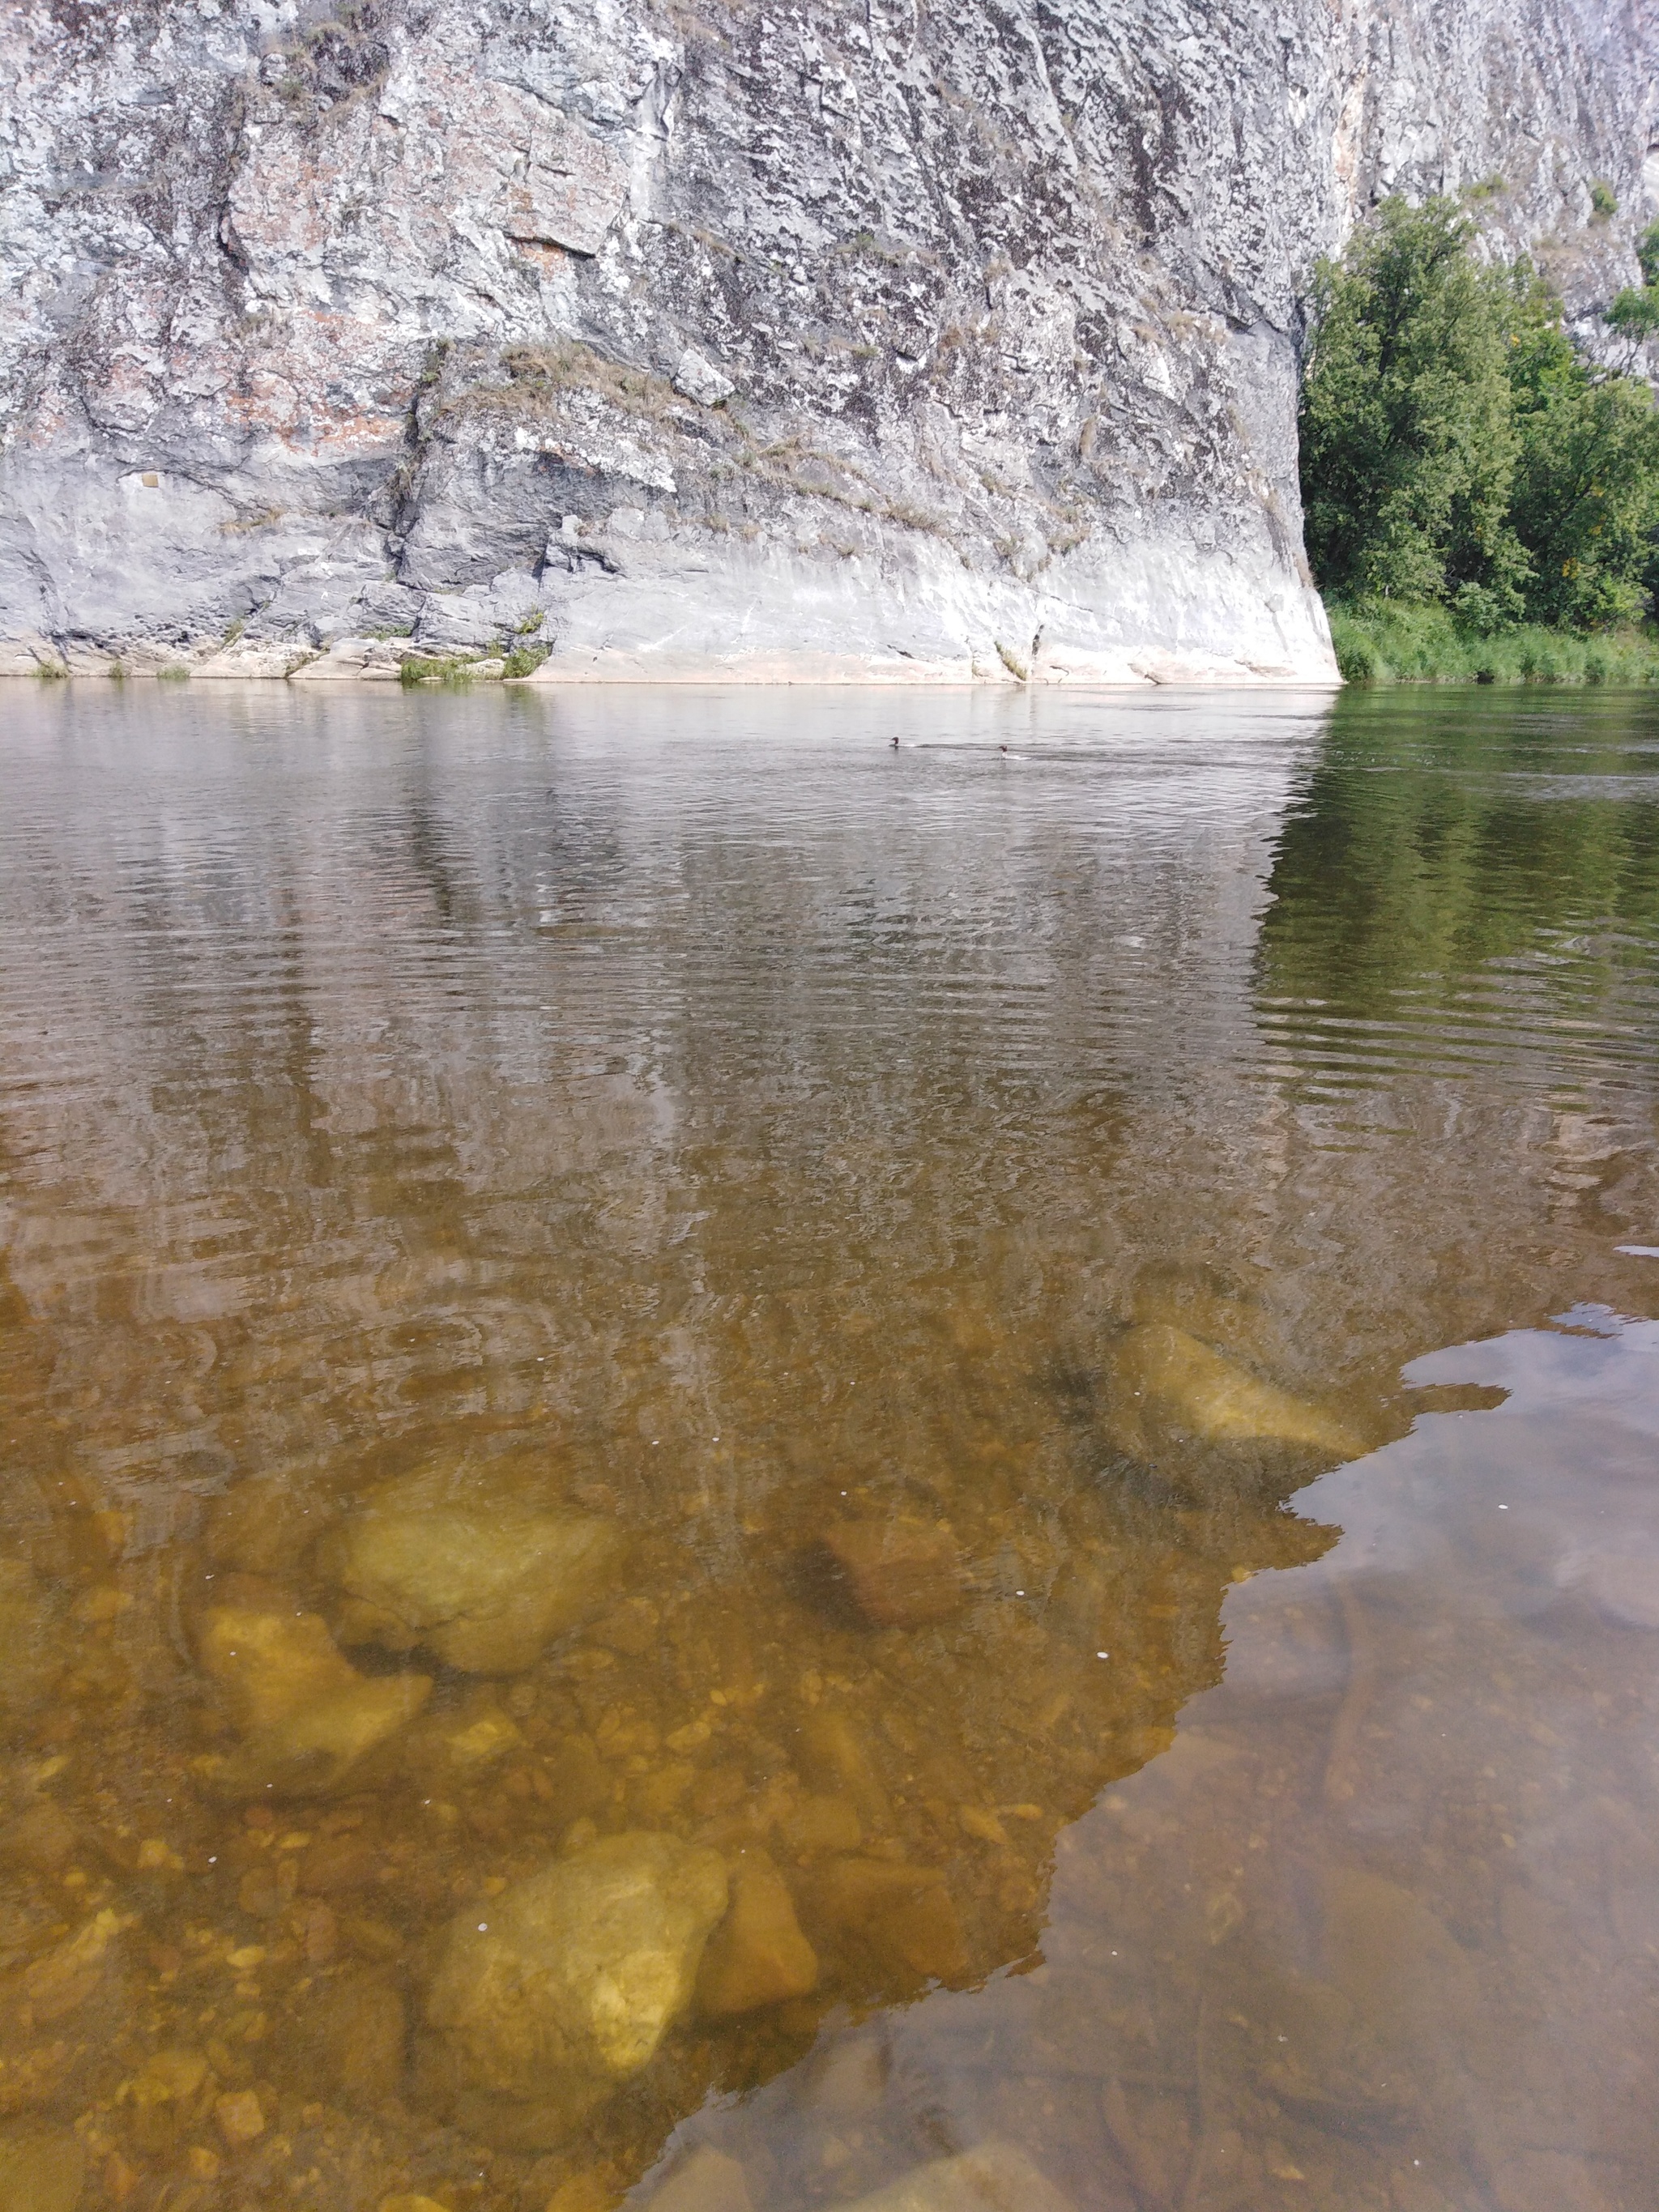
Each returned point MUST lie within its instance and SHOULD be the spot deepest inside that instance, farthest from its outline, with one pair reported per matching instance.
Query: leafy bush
(1407, 440)
(1389, 643)
(1634, 313)
(1458, 452)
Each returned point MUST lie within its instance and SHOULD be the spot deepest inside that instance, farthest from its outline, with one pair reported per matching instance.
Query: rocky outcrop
(771, 341)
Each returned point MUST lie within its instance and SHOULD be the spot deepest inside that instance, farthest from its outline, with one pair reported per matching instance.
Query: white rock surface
(920, 346)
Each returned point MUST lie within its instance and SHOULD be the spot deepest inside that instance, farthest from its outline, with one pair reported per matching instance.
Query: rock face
(853, 341)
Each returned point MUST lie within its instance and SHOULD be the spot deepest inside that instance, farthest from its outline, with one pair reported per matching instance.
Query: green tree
(1408, 446)
(1585, 499)
(1457, 451)
(1634, 313)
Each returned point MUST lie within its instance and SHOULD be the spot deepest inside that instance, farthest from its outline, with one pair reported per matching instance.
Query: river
(1019, 1332)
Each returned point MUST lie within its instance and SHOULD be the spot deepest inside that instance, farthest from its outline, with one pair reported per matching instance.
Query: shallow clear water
(1066, 1273)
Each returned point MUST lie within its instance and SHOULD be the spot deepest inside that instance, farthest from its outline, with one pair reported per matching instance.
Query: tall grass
(1388, 644)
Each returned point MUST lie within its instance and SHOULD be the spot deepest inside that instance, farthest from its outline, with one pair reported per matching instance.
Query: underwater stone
(901, 1573)
(60, 1982)
(757, 1955)
(41, 2171)
(564, 1985)
(822, 1824)
(904, 1916)
(706, 2181)
(483, 1583)
(29, 1654)
(309, 1717)
(996, 2177)
(1164, 1381)
(448, 1747)
(358, 2035)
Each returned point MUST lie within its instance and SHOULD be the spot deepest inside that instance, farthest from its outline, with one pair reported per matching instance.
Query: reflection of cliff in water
(864, 1185)
(710, 1167)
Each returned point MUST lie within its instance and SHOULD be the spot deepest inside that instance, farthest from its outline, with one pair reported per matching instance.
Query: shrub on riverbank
(1389, 643)
(1460, 458)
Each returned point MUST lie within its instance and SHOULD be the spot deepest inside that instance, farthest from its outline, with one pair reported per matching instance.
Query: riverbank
(1423, 645)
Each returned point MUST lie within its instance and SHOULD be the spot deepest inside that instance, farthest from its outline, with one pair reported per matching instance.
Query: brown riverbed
(888, 1319)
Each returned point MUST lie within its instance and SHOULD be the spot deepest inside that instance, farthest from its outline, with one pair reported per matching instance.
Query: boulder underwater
(309, 1719)
(995, 2177)
(1168, 1387)
(31, 1656)
(551, 1996)
(757, 1955)
(901, 1572)
(483, 1583)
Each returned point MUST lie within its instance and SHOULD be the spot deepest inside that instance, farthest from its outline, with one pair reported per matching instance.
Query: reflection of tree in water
(1418, 857)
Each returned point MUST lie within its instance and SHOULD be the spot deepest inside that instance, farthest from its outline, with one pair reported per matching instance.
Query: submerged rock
(41, 2171)
(996, 2177)
(448, 1747)
(822, 1824)
(705, 2181)
(309, 1718)
(1167, 1385)
(548, 1996)
(757, 1955)
(902, 1918)
(64, 1978)
(30, 1655)
(484, 1584)
(900, 1573)
(356, 2033)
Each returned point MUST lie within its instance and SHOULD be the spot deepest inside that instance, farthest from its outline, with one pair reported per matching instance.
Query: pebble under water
(747, 1468)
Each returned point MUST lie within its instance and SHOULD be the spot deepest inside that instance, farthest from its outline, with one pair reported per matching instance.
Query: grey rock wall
(858, 339)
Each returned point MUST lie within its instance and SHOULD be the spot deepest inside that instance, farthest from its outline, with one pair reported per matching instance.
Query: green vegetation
(1389, 642)
(438, 668)
(1634, 313)
(1482, 503)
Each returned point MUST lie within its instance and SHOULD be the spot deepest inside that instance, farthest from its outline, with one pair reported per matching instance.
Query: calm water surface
(1016, 1346)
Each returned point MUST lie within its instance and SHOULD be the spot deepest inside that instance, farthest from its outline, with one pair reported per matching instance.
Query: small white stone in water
(1503, 1508)
(483, 1928)
(1103, 1655)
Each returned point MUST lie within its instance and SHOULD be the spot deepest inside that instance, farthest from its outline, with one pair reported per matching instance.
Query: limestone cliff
(867, 338)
